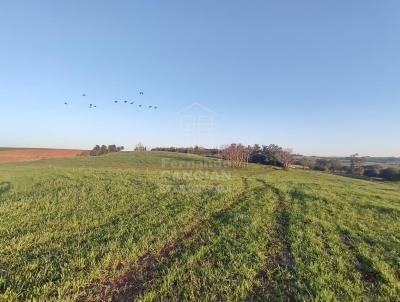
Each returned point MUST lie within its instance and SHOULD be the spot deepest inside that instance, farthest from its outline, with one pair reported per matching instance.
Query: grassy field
(155, 226)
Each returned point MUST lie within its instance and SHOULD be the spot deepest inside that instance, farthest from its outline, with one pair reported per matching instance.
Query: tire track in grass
(276, 280)
(220, 263)
(80, 244)
(144, 272)
(363, 264)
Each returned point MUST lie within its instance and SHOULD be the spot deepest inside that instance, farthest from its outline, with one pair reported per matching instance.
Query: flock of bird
(116, 102)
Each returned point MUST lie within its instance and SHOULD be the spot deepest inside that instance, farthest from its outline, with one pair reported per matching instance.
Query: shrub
(390, 174)
(372, 171)
(97, 150)
(322, 165)
(112, 148)
(103, 150)
(140, 147)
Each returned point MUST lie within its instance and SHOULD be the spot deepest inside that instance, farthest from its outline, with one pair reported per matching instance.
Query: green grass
(153, 226)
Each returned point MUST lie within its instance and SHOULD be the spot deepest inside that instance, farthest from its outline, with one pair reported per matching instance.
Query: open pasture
(159, 226)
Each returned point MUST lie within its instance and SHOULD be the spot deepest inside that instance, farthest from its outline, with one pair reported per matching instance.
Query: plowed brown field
(20, 155)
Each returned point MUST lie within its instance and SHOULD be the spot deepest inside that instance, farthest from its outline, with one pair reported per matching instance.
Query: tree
(335, 165)
(198, 150)
(346, 169)
(306, 162)
(356, 164)
(103, 150)
(112, 148)
(237, 154)
(95, 151)
(271, 153)
(256, 154)
(285, 158)
(390, 174)
(140, 147)
(322, 164)
(372, 171)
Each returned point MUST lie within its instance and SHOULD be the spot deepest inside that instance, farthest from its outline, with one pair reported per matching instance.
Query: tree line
(274, 155)
(190, 150)
(240, 155)
(103, 149)
(357, 167)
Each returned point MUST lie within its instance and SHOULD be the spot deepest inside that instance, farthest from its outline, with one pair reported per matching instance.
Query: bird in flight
(150, 106)
(115, 102)
(132, 103)
(140, 105)
(125, 102)
(83, 94)
(141, 93)
(65, 103)
(155, 107)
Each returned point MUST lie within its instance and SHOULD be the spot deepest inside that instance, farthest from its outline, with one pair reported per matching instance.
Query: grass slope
(166, 226)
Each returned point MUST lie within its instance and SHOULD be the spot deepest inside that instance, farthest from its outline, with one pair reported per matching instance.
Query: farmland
(151, 226)
(10, 155)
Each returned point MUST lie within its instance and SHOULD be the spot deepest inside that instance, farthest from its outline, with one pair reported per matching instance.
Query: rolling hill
(159, 226)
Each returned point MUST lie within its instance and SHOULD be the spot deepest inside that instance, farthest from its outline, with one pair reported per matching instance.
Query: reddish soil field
(20, 155)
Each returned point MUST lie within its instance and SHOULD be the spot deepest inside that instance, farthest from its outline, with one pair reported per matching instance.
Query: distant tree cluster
(240, 155)
(237, 154)
(357, 167)
(390, 173)
(103, 149)
(357, 164)
(327, 165)
(140, 147)
(191, 150)
(267, 155)
(272, 155)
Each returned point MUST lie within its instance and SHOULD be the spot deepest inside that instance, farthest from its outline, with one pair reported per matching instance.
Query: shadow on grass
(302, 197)
(360, 177)
(4, 187)
(153, 265)
(363, 265)
(380, 209)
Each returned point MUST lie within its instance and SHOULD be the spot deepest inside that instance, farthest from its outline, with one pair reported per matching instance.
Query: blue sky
(321, 77)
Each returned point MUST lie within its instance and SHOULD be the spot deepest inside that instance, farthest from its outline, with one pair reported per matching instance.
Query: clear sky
(321, 77)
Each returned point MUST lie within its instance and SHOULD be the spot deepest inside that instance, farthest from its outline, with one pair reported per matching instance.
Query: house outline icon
(196, 105)
(196, 119)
